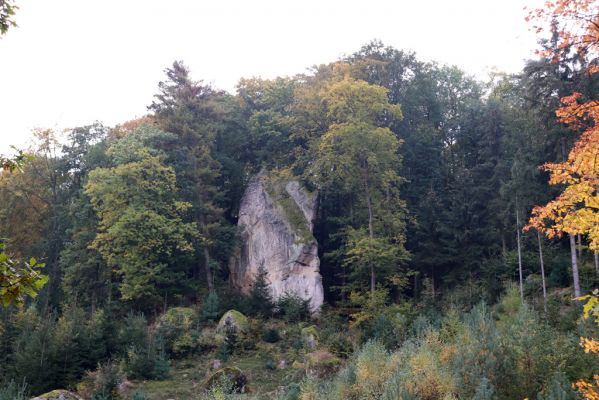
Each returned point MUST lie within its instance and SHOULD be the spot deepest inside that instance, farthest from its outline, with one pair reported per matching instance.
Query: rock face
(276, 219)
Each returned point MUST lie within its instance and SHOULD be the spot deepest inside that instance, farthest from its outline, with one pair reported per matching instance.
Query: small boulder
(125, 385)
(230, 376)
(58, 394)
(216, 364)
(234, 318)
(282, 364)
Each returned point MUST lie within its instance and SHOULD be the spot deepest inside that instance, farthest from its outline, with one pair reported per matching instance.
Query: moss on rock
(275, 184)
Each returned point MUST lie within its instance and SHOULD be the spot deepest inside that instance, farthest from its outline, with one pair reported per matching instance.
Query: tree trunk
(597, 263)
(574, 266)
(542, 271)
(519, 256)
(209, 278)
(370, 229)
(372, 279)
(433, 282)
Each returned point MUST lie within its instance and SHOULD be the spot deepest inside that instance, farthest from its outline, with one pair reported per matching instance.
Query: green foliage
(19, 280)
(293, 308)
(7, 12)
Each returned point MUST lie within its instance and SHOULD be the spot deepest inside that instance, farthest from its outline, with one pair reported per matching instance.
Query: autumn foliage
(575, 211)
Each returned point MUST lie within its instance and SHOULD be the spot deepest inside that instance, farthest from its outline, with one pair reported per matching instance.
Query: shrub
(271, 336)
(14, 391)
(178, 330)
(293, 308)
(101, 383)
(138, 395)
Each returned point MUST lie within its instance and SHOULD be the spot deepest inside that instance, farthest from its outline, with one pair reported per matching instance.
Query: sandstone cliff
(276, 219)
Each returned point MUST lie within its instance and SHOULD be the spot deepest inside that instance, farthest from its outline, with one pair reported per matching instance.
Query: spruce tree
(260, 301)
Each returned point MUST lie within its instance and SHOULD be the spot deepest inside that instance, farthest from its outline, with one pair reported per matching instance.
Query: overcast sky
(72, 62)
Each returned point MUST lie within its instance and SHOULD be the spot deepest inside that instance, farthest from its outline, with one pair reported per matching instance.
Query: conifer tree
(190, 110)
(259, 300)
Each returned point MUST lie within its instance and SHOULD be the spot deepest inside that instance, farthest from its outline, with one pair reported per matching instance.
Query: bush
(101, 383)
(139, 396)
(178, 328)
(14, 391)
(271, 336)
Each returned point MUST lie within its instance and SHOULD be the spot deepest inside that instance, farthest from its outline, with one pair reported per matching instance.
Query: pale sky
(72, 62)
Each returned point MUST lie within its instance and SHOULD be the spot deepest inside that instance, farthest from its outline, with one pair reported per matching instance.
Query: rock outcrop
(276, 220)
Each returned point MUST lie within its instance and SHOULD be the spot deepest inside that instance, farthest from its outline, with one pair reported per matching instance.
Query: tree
(259, 300)
(192, 112)
(86, 276)
(576, 209)
(7, 11)
(358, 156)
(141, 234)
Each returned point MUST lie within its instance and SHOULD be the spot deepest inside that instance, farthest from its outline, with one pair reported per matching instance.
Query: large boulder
(58, 394)
(235, 319)
(276, 219)
(310, 337)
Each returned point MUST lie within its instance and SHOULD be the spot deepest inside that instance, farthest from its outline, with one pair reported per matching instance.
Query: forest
(455, 231)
